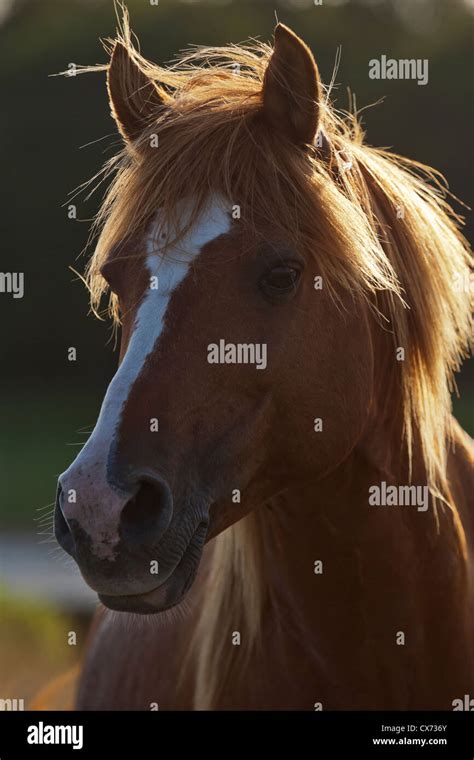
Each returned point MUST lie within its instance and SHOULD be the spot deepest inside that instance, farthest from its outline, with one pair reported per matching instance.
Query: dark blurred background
(56, 133)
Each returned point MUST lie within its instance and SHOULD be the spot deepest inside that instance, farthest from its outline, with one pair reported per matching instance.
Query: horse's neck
(374, 588)
(315, 532)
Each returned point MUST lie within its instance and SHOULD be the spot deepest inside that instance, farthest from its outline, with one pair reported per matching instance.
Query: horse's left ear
(292, 88)
(134, 97)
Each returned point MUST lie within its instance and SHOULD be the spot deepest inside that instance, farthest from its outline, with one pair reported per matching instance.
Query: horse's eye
(280, 280)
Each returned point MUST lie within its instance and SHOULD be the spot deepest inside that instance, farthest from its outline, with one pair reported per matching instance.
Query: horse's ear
(134, 98)
(292, 88)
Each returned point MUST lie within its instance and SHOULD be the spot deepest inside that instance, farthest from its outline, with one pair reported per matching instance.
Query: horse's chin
(169, 593)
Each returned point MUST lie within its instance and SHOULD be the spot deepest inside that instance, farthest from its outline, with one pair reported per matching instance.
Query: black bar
(315, 735)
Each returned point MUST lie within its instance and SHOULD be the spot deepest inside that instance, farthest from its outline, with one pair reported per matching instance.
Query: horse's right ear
(134, 98)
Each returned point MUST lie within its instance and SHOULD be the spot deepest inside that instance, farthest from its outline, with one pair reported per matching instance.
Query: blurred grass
(39, 438)
(34, 646)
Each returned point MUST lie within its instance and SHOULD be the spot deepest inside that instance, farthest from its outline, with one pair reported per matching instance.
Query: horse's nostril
(146, 516)
(62, 530)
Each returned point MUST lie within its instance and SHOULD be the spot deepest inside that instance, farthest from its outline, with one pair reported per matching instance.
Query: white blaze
(170, 269)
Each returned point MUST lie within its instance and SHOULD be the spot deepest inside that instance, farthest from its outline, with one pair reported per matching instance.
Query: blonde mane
(375, 224)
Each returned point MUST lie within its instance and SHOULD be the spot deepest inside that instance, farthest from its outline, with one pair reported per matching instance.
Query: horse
(275, 504)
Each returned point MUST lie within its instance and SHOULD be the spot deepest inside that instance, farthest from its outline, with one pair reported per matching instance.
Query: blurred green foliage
(45, 122)
(34, 646)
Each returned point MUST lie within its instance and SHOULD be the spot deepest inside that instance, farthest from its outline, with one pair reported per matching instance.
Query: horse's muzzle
(134, 547)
